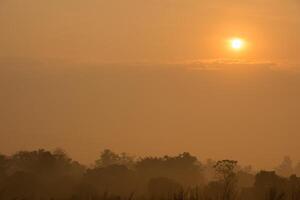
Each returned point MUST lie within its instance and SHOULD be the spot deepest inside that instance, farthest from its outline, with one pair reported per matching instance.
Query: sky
(151, 77)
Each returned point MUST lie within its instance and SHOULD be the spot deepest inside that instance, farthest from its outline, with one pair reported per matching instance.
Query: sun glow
(237, 44)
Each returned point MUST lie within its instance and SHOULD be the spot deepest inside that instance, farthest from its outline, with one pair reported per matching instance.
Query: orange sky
(151, 77)
(154, 30)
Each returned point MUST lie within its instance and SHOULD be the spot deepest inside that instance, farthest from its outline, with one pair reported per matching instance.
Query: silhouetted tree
(226, 173)
(45, 175)
(40, 174)
(184, 168)
(109, 157)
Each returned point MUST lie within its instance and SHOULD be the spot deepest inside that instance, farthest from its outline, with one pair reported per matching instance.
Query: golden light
(237, 44)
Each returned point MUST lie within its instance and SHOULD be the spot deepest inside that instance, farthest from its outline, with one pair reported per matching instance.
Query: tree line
(51, 175)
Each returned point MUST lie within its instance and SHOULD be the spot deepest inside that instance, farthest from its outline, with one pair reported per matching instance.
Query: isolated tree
(226, 173)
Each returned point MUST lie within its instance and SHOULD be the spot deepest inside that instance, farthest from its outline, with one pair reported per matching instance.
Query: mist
(232, 111)
(148, 100)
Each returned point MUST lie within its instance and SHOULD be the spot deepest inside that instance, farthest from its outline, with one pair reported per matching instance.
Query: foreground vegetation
(41, 174)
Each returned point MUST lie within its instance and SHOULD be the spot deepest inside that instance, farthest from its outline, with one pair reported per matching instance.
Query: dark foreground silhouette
(39, 175)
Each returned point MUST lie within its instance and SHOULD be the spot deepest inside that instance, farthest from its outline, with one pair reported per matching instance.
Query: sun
(237, 44)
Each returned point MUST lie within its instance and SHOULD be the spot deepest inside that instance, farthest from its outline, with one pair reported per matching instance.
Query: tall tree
(226, 172)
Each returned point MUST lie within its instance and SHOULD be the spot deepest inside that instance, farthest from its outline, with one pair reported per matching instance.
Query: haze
(151, 78)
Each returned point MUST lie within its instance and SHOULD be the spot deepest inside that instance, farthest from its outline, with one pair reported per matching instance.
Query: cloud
(199, 65)
(237, 64)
